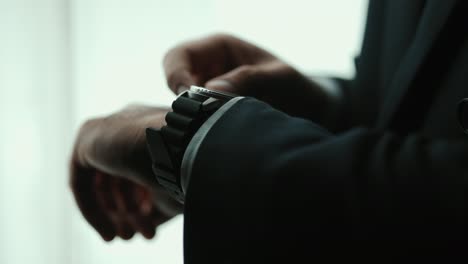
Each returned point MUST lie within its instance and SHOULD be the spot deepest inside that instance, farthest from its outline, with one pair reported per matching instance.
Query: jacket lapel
(432, 22)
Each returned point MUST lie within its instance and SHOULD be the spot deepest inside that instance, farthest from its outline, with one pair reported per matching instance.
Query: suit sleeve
(267, 186)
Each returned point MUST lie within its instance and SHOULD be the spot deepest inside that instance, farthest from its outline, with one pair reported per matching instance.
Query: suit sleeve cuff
(192, 148)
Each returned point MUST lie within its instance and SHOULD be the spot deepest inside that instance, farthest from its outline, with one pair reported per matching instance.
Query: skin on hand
(226, 63)
(111, 178)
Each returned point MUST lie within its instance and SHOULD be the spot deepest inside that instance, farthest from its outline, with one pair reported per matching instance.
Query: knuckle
(246, 70)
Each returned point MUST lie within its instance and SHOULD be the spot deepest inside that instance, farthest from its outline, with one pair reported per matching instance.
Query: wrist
(138, 161)
(167, 146)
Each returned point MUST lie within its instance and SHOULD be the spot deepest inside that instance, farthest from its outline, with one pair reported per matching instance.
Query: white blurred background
(63, 61)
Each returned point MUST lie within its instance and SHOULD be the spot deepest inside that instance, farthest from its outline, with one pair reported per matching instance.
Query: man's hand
(225, 63)
(111, 178)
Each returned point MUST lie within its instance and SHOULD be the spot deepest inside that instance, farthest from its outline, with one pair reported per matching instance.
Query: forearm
(255, 170)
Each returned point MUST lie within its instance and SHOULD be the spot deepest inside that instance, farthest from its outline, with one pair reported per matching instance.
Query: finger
(103, 192)
(147, 228)
(178, 70)
(143, 217)
(240, 80)
(194, 62)
(82, 185)
(139, 207)
(119, 193)
(144, 200)
(254, 80)
(107, 200)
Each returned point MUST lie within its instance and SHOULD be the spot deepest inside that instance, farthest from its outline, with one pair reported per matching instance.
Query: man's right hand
(226, 63)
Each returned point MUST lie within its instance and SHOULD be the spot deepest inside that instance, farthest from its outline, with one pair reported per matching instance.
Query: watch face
(211, 93)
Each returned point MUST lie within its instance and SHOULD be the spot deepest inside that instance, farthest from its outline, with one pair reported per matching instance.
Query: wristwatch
(168, 144)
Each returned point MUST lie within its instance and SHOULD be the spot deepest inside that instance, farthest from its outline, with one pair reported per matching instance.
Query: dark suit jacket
(266, 187)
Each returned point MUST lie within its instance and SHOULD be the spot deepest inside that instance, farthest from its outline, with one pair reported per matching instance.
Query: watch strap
(167, 145)
(162, 165)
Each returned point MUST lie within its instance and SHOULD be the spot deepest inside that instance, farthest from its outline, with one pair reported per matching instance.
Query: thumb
(181, 80)
(238, 81)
